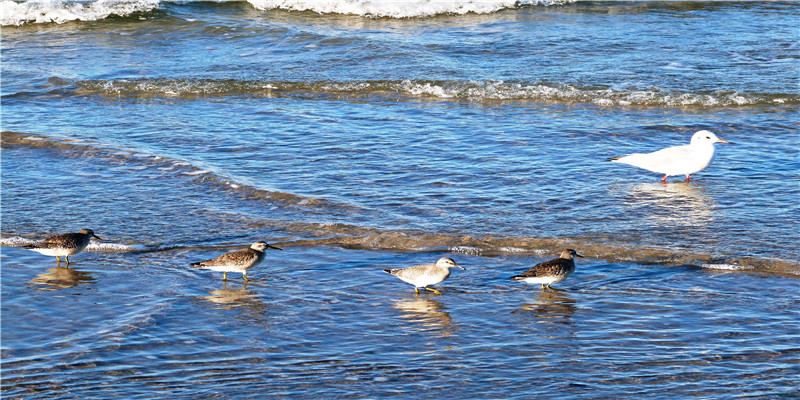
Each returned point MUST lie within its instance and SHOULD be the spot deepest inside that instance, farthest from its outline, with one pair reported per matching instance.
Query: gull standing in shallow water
(237, 260)
(677, 160)
(550, 272)
(66, 244)
(421, 276)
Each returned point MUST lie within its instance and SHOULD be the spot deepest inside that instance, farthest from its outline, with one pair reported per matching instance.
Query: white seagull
(677, 160)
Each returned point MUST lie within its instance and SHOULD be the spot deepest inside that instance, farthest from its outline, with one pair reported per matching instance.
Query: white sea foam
(728, 267)
(16, 241)
(512, 250)
(475, 91)
(398, 8)
(468, 250)
(61, 11)
(197, 172)
(115, 247)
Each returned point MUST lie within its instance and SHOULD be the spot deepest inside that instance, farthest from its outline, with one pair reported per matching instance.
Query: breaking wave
(469, 91)
(398, 8)
(139, 160)
(48, 11)
(61, 11)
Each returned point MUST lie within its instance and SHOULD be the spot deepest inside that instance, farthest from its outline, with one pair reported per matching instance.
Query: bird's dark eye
(708, 137)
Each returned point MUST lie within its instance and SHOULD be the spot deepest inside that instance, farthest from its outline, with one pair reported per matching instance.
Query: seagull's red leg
(688, 178)
(664, 179)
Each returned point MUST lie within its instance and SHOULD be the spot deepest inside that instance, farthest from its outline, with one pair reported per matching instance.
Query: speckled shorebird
(237, 260)
(421, 276)
(65, 245)
(677, 160)
(550, 272)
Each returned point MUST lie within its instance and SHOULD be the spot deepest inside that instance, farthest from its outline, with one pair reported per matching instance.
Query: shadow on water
(60, 278)
(553, 306)
(427, 315)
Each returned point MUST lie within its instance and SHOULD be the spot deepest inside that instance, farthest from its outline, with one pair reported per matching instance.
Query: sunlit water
(177, 131)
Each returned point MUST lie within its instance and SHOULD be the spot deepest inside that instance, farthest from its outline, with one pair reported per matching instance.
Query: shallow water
(182, 130)
(322, 321)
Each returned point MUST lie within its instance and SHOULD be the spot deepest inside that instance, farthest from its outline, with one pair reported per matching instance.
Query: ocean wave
(310, 234)
(61, 11)
(138, 161)
(469, 91)
(48, 11)
(399, 8)
(727, 267)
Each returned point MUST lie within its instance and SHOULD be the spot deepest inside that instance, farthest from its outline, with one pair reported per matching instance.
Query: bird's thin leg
(688, 178)
(664, 179)
(543, 287)
(67, 258)
(59, 260)
(244, 274)
(416, 289)
(433, 290)
(224, 276)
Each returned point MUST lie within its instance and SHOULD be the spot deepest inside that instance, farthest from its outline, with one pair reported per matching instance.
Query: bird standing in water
(677, 160)
(65, 245)
(550, 272)
(421, 276)
(237, 260)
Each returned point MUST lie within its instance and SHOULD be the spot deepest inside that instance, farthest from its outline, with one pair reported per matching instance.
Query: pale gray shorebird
(237, 260)
(550, 272)
(677, 160)
(422, 276)
(65, 245)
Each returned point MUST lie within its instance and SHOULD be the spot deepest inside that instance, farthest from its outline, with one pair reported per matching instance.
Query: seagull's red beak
(721, 140)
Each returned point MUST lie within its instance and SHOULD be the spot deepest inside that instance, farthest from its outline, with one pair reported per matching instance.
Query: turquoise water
(180, 130)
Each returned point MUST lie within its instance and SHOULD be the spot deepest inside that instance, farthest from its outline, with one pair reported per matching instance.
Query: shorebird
(421, 276)
(237, 260)
(677, 160)
(550, 272)
(66, 244)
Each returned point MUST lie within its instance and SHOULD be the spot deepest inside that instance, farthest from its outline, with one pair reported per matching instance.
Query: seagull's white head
(706, 137)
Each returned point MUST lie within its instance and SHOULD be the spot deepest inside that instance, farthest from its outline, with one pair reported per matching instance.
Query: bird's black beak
(97, 237)
(578, 255)
(269, 246)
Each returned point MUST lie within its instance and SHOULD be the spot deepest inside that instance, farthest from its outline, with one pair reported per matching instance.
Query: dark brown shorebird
(421, 276)
(65, 245)
(237, 260)
(550, 272)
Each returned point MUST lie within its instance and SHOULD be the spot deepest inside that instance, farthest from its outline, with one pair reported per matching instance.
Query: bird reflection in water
(427, 314)
(60, 278)
(552, 307)
(670, 205)
(229, 298)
